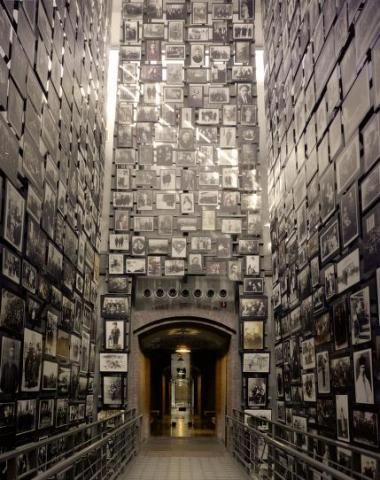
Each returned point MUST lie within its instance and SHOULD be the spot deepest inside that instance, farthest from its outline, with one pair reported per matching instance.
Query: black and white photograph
(242, 52)
(51, 333)
(308, 387)
(254, 285)
(10, 365)
(113, 362)
(363, 376)
(368, 467)
(7, 416)
(26, 416)
(348, 271)
(252, 264)
(11, 265)
(154, 266)
(330, 241)
(174, 268)
(34, 204)
(348, 164)
(340, 315)
(349, 216)
(246, 9)
(61, 412)
(178, 247)
(138, 245)
(330, 281)
(365, 427)
(166, 201)
(254, 307)
(175, 52)
(235, 270)
(187, 202)
(308, 354)
(360, 316)
(256, 362)
(370, 187)
(257, 391)
(14, 216)
(175, 31)
(327, 192)
(253, 335)
(119, 241)
(243, 31)
(135, 265)
(112, 390)
(208, 116)
(49, 375)
(114, 335)
(12, 311)
(197, 55)
(218, 95)
(114, 306)
(46, 413)
(231, 225)
(323, 372)
(115, 264)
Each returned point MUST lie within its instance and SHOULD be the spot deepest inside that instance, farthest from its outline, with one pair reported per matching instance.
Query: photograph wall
(52, 68)
(322, 102)
(187, 195)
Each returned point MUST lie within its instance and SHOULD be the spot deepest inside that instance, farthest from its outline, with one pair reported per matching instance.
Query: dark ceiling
(194, 337)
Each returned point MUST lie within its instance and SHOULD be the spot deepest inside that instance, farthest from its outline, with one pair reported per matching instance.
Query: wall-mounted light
(183, 349)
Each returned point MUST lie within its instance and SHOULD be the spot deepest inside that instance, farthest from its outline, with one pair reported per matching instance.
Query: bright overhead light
(183, 350)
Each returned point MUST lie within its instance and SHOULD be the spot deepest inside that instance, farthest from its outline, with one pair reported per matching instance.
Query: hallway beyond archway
(184, 459)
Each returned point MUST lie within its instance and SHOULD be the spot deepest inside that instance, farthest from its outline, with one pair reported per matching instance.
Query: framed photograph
(323, 372)
(253, 335)
(370, 187)
(256, 362)
(7, 416)
(229, 114)
(112, 390)
(246, 10)
(113, 362)
(218, 95)
(341, 372)
(175, 31)
(158, 246)
(365, 428)
(308, 387)
(165, 225)
(329, 241)
(144, 200)
(187, 203)
(208, 116)
(198, 34)
(207, 135)
(34, 204)
(115, 306)
(253, 285)
(348, 271)
(208, 198)
(49, 375)
(121, 220)
(231, 225)
(348, 164)
(371, 142)
(199, 13)
(138, 245)
(349, 216)
(222, 11)
(11, 265)
(360, 316)
(218, 73)
(115, 263)
(131, 31)
(75, 346)
(154, 30)
(243, 31)
(327, 192)
(197, 55)
(143, 224)
(114, 335)
(154, 266)
(254, 307)
(220, 31)
(363, 376)
(153, 50)
(308, 354)
(369, 467)
(14, 216)
(176, 11)
(136, 266)
(242, 52)
(227, 137)
(130, 53)
(174, 268)
(195, 263)
(12, 311)
(252, 264)
(174, 75)
(166, 201)
(370, 239)
(64, 378)
(26, 416)
(186, 140)
(179, 247)
(46, 413)
(175, 52)
(330, 281)
(119, 241)
(244, 94)
(243, 73)
(118, 284)
(220, 53)
(257, 391)
(10, 365)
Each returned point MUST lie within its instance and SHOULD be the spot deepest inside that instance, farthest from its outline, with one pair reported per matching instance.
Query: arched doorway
(208, 351)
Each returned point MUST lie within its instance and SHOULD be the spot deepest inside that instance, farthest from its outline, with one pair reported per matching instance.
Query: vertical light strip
(259, 55)
(112, 90)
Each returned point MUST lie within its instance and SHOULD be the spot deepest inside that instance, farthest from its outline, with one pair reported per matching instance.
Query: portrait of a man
(10, 365)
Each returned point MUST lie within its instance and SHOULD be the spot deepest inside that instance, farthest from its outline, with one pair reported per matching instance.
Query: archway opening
(187, 378)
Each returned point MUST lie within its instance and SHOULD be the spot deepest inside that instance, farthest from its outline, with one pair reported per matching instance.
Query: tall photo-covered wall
(52, 133)
(186, 191)
(322, 105)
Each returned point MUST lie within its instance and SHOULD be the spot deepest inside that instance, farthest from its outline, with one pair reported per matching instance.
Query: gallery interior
(189, 239)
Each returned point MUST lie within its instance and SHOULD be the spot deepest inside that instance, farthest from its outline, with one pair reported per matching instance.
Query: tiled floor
(165, 458)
